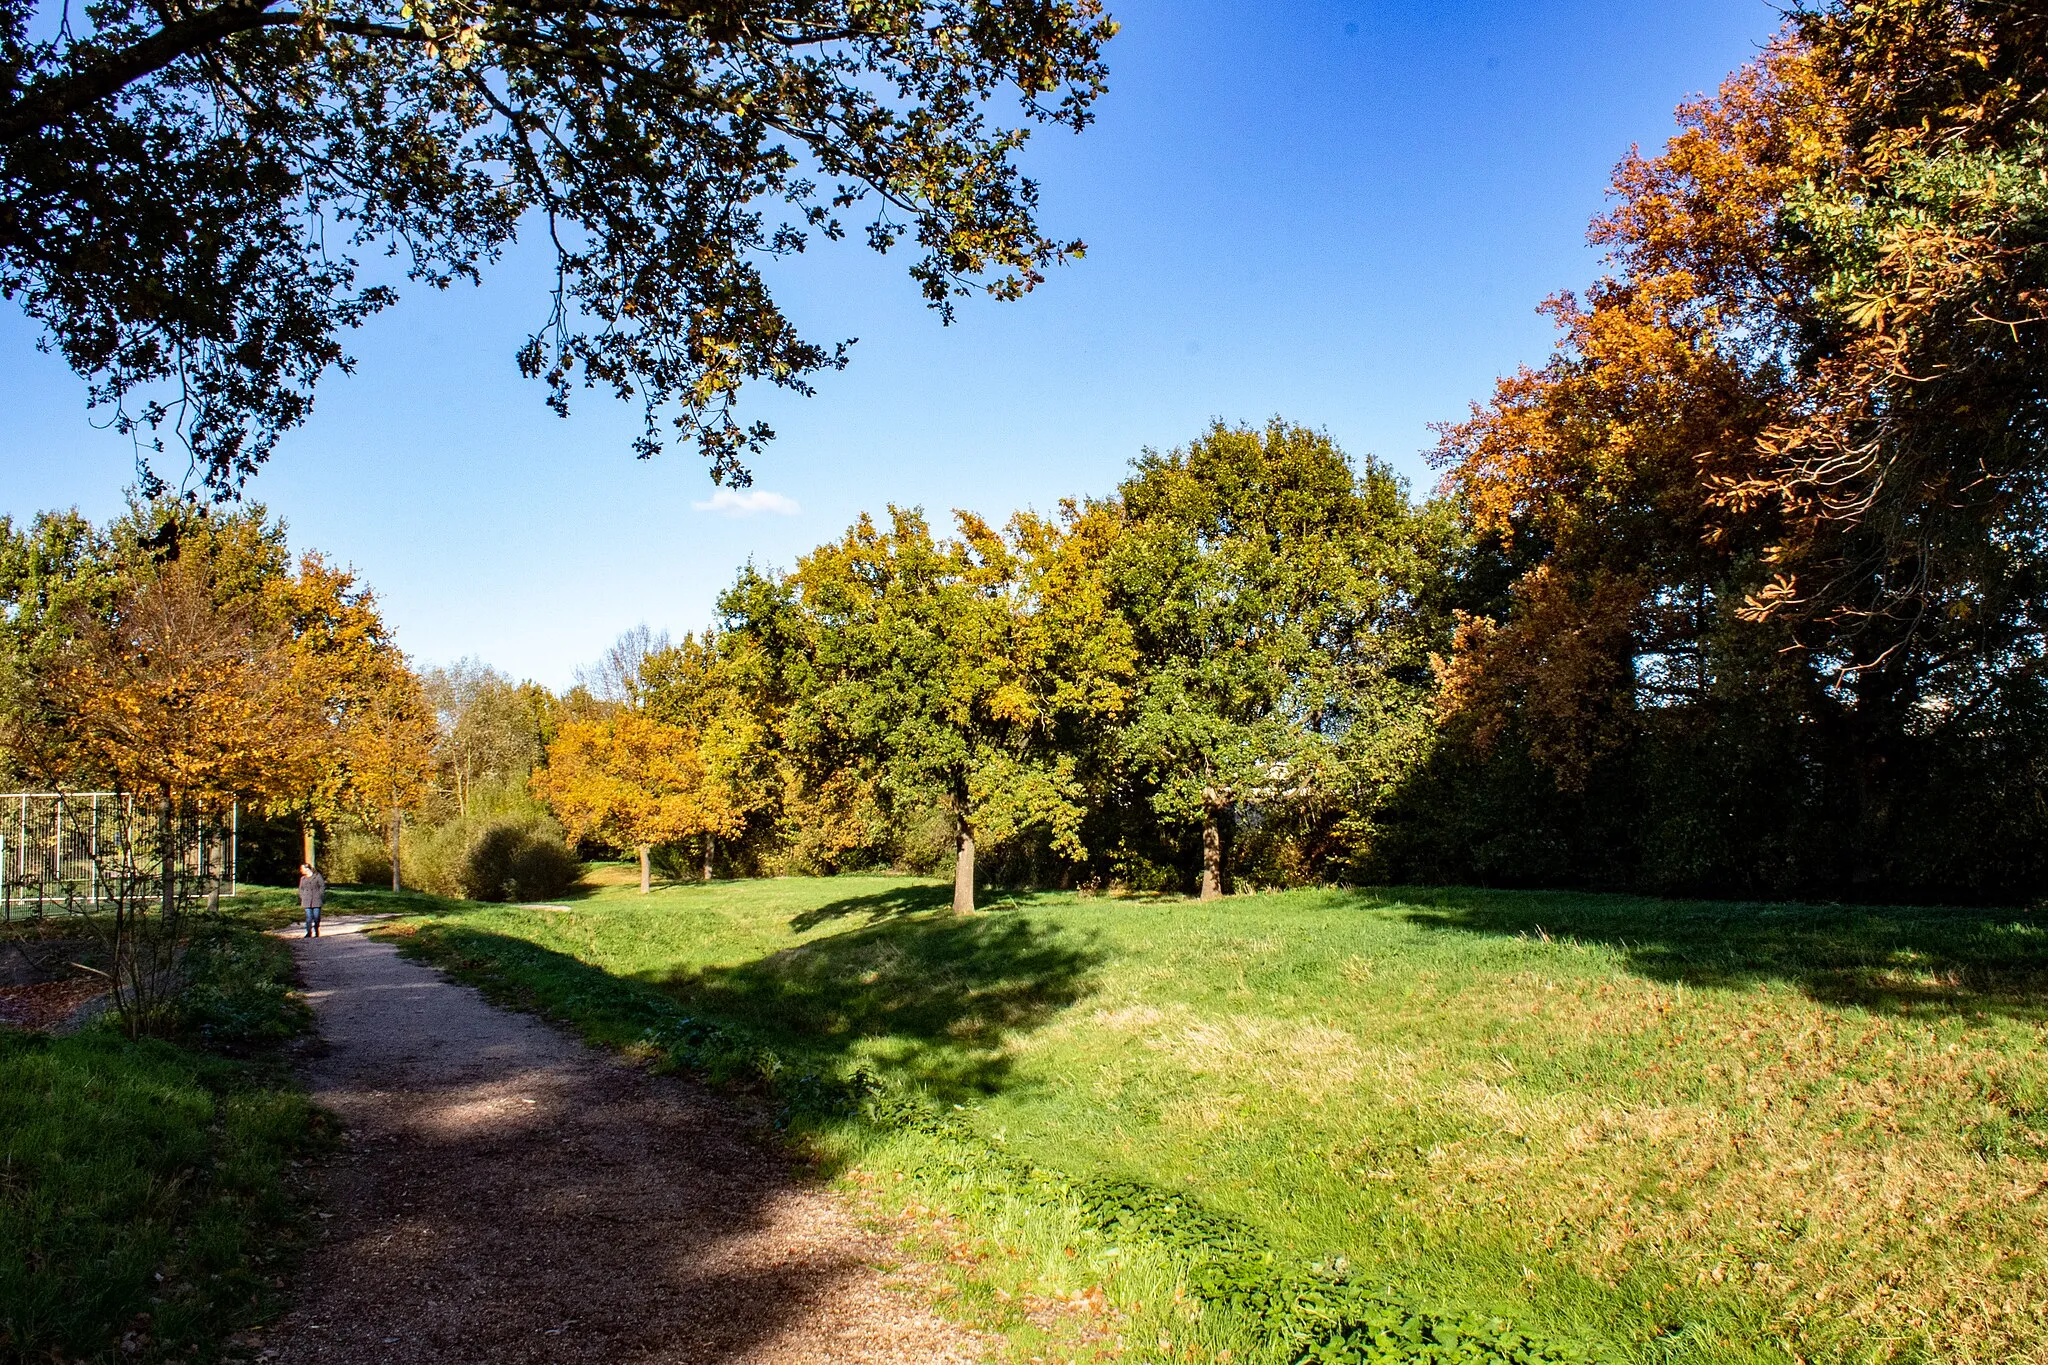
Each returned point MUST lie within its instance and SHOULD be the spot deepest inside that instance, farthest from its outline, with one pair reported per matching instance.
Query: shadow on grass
(899, 902)
(1891, 959)
(895, 903)
(932, 999)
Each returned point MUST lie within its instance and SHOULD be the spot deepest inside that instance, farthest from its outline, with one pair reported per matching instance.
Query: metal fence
(58, 848)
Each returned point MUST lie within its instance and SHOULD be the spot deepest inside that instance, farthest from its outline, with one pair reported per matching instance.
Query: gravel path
(507, 1194)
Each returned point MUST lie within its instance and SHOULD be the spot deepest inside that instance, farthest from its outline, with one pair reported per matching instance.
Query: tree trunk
(1212, 851)
(963, 875)
(645, 876)
(397, 883)
(306, 832)
(709, 844)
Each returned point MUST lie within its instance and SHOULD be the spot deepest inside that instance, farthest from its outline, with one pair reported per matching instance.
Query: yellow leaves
(384, 745)
(458, 40)
(178, 693)
(1012, 704)
(1781, 592)
(632, 779)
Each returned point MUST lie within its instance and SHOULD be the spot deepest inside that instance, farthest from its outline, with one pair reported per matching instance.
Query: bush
(519, 857)
(509, 859)
(358, 858)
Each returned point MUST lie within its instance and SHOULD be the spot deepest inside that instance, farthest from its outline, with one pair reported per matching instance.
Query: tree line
(1741, 592)
(185, 657)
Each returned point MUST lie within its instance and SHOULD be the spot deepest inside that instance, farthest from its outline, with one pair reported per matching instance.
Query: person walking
(312, 895)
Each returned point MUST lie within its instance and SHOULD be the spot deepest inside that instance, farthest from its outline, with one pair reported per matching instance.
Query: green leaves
(1272, 589)
(951, 673)
(190, 198)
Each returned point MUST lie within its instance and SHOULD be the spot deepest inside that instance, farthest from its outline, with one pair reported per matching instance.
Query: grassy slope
(144, 1208)
(1684, 1131)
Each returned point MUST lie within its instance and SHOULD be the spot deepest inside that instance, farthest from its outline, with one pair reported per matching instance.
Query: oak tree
(925, 674)
(1268, 583)
(191, 191)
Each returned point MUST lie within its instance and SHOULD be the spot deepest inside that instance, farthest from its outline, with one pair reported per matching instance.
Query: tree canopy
(1773, 510)
(192, 192)
(632, 781)
(1268, 583)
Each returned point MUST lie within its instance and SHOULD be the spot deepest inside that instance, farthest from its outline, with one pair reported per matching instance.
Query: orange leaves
(203, 662)
(631, 779)
(177, 693)
(1708, 205)
(1560, 665)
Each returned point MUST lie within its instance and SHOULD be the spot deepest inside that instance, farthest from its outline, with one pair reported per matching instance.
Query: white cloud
(747, 502)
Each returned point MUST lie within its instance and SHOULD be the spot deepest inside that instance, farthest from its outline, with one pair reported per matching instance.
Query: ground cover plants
(1661, 1131)
(145, 1207)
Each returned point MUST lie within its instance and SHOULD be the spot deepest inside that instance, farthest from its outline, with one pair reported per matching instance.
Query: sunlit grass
(145, 1212)
(1689, 1132)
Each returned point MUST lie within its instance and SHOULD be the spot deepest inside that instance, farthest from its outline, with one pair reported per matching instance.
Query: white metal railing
(55, 845)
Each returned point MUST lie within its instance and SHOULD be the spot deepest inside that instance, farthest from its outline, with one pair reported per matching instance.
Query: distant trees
(1236, 630)
(387, 759)
(491, 730)
(632, 781)
(616, 676)
(184, 657)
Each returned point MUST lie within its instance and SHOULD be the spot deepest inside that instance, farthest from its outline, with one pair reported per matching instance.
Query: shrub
(519, 857)
(510, 859)
(358, 858)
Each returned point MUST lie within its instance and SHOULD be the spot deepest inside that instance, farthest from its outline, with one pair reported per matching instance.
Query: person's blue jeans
(312, 921)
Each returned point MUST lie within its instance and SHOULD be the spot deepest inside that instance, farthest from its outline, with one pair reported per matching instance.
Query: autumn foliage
(1774, 504)
(633, 781)
(189, 659)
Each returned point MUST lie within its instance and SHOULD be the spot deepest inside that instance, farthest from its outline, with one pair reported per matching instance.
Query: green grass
(1672, 1131)
(145, 1211)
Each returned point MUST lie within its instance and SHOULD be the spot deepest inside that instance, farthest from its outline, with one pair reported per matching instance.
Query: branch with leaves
(189, 194)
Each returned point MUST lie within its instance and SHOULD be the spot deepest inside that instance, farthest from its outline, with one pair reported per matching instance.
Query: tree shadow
(1911, 960)
(895, 903)
(929, 996)
(899, 902)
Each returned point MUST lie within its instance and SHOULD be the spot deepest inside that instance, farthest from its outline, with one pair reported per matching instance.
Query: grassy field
(145, 1211)
(1670, 1131)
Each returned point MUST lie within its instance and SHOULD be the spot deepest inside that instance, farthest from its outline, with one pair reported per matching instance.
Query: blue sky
(1339, 211)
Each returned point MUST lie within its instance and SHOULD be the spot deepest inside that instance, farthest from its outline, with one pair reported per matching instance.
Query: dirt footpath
(507, 1194)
